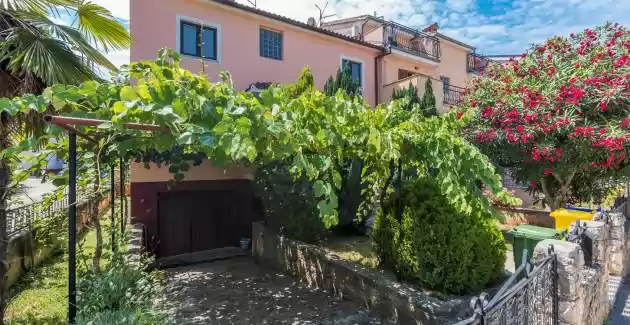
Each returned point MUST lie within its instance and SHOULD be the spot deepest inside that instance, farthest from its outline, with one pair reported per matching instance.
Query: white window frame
(349, 58)
(192, 20)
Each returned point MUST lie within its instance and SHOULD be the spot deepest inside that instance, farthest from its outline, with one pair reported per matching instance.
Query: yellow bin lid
(569, 213)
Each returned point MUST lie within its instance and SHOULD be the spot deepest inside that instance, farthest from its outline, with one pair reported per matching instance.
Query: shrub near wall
(435, 246)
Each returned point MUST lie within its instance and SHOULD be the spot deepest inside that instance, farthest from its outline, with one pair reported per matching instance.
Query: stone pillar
(618, 245)
(570, 262)
(595, 276)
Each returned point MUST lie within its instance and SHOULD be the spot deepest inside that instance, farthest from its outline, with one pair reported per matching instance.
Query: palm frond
(44, 56)
(68, 34)
(100, 27)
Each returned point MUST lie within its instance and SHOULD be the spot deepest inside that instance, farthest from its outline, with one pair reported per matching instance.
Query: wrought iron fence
(412, 41)
(529, 296)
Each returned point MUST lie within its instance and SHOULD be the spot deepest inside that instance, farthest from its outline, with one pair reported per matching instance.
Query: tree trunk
(5, 181)
(96, 221)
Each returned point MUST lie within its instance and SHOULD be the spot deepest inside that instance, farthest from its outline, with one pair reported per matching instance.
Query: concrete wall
(23, 253)
(318, 268)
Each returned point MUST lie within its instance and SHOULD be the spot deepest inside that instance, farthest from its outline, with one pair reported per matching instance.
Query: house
(258, 47)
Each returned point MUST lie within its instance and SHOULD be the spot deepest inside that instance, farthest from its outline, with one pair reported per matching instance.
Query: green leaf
(222, 127)
(8, 106)
(243, 125)
(127, 93)
(119, 107)
(319, 188)
(208, 140)
(186, 138)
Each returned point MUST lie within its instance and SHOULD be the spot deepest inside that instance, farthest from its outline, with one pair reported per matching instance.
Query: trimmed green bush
(289, 206)
(435, 246)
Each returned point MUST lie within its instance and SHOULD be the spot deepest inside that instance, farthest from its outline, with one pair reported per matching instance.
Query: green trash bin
(526, 237)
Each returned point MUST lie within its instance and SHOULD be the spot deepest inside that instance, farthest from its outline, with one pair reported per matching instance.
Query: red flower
(547, 171)
(624, 123)
(603, 106)
(533, 183)
(520, 129)
(459, 115)
(621, 61)
(486, 112)
(536, 154)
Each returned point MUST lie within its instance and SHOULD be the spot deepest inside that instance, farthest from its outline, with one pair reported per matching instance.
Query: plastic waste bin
(564, 217)
(526, 237)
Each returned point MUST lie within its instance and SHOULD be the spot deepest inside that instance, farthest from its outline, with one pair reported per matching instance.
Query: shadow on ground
(238, 291)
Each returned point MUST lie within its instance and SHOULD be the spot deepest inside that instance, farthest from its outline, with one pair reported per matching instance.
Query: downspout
(377, 86)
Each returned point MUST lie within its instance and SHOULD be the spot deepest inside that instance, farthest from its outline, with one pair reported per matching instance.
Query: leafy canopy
(312, 131)
(559, 115)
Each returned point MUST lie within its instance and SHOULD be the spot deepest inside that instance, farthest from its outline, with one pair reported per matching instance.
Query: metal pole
(112, 190)
(122, 198)
(72, 228)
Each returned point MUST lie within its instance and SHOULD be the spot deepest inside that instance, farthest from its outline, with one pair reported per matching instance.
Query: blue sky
(493, 26)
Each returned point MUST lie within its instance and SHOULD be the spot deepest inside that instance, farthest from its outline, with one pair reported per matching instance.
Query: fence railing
(22, 218)
(411, 41)
(453, 95)
(529, 296)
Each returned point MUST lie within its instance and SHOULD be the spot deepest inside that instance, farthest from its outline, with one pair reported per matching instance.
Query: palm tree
(36, 51)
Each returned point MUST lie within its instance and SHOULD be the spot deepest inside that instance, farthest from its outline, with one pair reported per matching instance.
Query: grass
(356, 249)
(41, 295)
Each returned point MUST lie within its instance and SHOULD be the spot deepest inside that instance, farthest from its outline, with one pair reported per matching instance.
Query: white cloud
(118, 58)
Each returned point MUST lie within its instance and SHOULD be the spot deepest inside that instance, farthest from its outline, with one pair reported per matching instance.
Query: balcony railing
(477, 63)
(411, 41)
(453, 95)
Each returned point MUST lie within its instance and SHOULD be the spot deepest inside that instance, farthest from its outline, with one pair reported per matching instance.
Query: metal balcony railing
(453, 95)
(477, 63)
(411, 41)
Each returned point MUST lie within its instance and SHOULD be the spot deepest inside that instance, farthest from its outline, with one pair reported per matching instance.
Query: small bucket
(245, 242)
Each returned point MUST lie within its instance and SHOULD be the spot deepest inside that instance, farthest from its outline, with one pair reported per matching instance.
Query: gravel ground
(238, 291)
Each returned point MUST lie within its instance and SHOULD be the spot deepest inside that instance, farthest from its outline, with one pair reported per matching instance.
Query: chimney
(433, 28)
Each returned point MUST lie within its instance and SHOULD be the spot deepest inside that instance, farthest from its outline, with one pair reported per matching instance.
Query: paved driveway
(238, 291)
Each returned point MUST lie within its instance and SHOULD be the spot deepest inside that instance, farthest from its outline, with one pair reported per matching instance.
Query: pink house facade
(256, 47)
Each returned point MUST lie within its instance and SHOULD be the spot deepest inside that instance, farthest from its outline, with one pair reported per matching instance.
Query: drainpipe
(377, 85)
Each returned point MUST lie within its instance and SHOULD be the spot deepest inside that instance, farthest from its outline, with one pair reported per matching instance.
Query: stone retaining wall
(23, 253)
(319, 268)
(583, 287)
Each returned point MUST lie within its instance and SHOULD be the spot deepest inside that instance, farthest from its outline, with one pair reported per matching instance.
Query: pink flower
(603, 106)
(533, 183)
(547, 171)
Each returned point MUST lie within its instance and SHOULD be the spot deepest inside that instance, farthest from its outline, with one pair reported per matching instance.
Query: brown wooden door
(191, 221)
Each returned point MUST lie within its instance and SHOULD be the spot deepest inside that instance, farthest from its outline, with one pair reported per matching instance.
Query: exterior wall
(154, 25)
(453, 64)
(203, 172)
(374, 36)
(419, 81)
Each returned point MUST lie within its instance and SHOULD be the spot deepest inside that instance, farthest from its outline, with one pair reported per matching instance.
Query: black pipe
(112, 189)
(72, 228)
(122, 198)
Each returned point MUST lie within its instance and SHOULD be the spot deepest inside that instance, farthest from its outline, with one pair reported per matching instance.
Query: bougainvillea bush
(559, 115)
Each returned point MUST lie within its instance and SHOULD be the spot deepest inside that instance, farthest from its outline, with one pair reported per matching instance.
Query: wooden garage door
(191, 221)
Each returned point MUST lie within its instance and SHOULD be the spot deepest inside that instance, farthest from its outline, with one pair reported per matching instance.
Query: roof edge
(286, 20)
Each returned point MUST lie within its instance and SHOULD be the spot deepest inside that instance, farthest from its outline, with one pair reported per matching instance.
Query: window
(197, 40)
(270, 44)
(356, 70)
(446, 83)
(402, 74)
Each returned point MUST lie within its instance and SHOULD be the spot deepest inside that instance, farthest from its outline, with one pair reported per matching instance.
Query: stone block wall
(316, 267)
(23, 253)
(583, 286)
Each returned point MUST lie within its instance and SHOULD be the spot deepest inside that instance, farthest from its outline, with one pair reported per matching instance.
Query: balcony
(411, 41)
(477, 63)
(453, 95)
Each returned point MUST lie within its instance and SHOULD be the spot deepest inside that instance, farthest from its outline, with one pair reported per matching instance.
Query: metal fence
(21, 218)
(529, 296)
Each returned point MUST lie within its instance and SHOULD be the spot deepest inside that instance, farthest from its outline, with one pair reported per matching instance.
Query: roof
(290, 21)
(383, 21)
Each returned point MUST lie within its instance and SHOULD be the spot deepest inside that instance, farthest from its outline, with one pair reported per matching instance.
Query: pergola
(68, 124)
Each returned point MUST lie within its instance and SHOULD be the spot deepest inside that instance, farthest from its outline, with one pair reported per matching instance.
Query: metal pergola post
(112, 190)
(122, 197)
(72, 227)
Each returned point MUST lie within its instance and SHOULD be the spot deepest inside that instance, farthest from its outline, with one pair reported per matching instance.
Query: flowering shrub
(559, 115)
